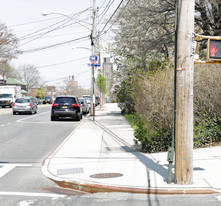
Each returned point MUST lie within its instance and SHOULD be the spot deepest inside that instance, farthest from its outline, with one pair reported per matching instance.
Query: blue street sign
(93, 59)
(96, 65)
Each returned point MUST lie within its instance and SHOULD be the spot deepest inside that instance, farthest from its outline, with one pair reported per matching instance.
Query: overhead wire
(55, 45)
(66, 62)
(103, 13)
(64, 78)
(113, 15)
(36, 35)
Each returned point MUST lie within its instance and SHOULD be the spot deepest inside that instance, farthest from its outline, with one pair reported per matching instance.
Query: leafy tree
(101, 84)
(40, 93)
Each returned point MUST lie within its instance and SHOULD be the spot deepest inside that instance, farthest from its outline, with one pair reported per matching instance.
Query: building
(108, 73)
(16, 82)
(50, 91)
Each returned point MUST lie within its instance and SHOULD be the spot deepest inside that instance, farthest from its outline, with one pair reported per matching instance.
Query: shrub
(153, 98)
(206, 131)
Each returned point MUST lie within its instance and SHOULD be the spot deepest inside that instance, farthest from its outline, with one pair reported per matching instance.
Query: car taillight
(75, 105)
(13, 104)
(29, 105)
(83, 105)
(55, 105)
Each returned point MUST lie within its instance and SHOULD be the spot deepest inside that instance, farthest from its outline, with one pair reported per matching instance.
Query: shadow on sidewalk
(147, 162)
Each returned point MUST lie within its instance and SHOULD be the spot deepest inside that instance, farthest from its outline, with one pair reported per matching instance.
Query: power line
(113, 15)
(54, 45)
(34, 22)
(105, 10)
(51, 65)
(64, 78)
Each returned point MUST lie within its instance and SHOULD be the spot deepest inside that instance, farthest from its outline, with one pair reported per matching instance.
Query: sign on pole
(93, 59)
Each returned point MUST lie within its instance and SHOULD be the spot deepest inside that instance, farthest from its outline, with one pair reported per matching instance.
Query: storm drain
(69, 171)
(106, 175)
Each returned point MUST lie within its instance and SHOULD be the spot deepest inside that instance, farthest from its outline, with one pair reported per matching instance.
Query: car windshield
(82, 101)
(47, 98)
(86, 97)
(22, 100)
(5, 95)
(70, 100)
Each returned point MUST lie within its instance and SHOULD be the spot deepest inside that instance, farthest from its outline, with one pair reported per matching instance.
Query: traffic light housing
(214, 50)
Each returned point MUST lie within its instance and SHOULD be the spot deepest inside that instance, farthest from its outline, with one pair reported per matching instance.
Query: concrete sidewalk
(100, 156)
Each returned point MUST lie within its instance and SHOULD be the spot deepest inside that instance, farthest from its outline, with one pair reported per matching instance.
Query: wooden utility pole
(184, 93)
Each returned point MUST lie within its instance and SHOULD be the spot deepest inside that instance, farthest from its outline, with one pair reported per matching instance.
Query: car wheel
(52, 118)
(31, 112)
(14, 113)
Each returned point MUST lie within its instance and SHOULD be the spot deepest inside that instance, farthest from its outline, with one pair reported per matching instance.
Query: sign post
(93, 60)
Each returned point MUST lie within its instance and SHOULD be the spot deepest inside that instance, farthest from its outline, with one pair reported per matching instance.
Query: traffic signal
(214, 50)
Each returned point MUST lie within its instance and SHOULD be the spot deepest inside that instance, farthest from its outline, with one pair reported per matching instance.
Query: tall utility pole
(184, 93)
(93, 40)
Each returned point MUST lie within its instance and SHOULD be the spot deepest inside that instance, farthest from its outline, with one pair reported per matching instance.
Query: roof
(12, 81)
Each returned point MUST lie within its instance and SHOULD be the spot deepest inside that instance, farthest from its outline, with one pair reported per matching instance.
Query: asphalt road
(26, 140)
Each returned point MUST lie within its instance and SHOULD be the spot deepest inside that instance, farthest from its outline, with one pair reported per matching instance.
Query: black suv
(66, 106)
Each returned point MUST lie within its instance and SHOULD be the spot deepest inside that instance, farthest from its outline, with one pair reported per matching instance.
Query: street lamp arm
(69, 17)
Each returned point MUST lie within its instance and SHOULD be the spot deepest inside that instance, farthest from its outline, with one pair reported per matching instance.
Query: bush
(206, 132)
(153, 98)
(151, 140)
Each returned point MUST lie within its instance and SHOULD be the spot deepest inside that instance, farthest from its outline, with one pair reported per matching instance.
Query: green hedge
(206, 132)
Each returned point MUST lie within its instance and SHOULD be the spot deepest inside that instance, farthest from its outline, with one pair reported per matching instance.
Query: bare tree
(7, 71)
(8, 44)
(29, 75)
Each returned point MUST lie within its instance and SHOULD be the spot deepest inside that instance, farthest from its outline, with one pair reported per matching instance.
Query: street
(26, 140)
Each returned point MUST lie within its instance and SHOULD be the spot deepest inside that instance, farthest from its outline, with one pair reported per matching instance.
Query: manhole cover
(106, 175)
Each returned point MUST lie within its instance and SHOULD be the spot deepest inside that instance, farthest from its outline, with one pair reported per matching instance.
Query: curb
(98, 188)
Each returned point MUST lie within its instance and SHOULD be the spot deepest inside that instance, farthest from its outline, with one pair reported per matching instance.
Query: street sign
(93, 59)
(95, 65)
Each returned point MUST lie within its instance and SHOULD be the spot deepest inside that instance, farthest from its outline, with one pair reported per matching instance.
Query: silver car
(85, 105)
(24, 105)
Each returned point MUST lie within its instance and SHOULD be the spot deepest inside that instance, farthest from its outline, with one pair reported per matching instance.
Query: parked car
(47, 100)
(97, 100)
(39, 101)
(35, 100)
(88, 98)
(66, 106)
(24, 105)
(85, 105)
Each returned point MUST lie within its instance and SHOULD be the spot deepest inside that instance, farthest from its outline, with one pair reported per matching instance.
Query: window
(70, 100)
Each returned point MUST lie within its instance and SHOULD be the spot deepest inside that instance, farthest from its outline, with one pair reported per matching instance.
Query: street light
(69, 17)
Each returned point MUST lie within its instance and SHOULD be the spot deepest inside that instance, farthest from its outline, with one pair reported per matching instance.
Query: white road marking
(5, 124)
(36, 115)
(31, 194)
(6, 168)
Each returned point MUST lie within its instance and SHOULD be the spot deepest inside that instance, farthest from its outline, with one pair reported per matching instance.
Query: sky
(56, 44)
